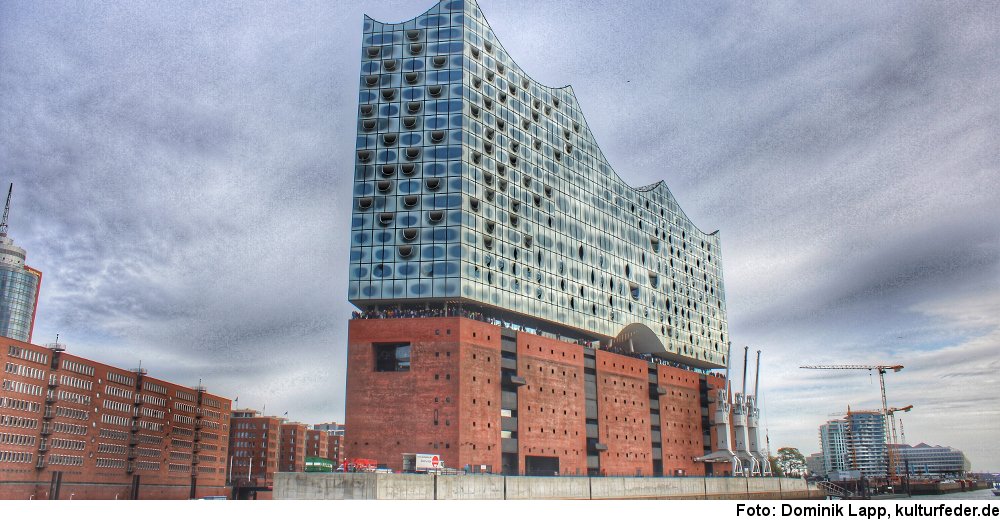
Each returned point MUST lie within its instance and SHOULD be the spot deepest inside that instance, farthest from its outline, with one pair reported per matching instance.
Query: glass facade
(17, 302)
(475, 184)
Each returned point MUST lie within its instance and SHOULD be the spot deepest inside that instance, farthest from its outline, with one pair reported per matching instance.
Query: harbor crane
(889, 431)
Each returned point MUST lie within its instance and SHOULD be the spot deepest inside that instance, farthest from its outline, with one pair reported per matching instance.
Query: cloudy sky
(182, 175)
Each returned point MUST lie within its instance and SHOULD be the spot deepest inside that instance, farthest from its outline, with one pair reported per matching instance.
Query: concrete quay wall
(384, 486)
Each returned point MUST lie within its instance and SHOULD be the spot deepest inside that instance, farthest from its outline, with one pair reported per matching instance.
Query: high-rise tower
(19, 285)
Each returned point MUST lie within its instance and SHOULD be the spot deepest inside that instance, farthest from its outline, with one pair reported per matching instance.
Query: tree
(775, 468)
(789, 462)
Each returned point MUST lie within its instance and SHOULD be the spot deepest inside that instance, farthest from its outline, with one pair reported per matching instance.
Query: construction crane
(889, 430)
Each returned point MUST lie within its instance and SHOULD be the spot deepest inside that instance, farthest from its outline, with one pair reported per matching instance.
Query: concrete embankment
(382, 486)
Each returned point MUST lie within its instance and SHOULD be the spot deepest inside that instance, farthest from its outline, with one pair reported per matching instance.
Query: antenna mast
(6, 212)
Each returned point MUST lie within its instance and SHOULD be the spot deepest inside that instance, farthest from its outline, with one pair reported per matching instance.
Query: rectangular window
(392, 357)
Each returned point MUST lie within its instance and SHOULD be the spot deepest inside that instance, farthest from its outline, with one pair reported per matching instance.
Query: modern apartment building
(74, 428)
(855, 443)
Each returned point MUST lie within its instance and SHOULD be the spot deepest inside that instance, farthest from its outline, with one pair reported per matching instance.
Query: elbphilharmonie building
(492, 244)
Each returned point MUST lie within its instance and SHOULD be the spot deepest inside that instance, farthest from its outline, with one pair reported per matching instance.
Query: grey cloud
(182, 178)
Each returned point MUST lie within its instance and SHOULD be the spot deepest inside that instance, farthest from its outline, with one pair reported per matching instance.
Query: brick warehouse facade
(494, 399)
(74, 428)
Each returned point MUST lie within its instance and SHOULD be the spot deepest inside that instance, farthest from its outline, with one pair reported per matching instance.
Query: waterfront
(979, 494)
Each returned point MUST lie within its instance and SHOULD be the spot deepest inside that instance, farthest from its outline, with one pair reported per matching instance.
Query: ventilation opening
(513, 220)
(490, 75)
(410, 201)
(435, 216)
(474, 110)
(501, 124)
(500, 68)
(526, 181)
(537, 199)
(535, 115)
(490, 133)
(364, 156)
(388, 170)
(433, 183)
(474, 204)
(501, 170)
(548, 190)
(388, 94)
(569, 148)
(409, 169)
(634, 290)
(439, 61)
(412, 152)
(365, 202)
(367, 110)
(502, 97)
(654, 279)
(385, 218)
(490, 226)
(389, 65)
(477, 157)
(384, 186)
(413, 34)
(389, 139)
(556, 102)
(409, 234)
(405, 251)
(477, 82)
(371, 81)
(413, 107)
(512, 89)
(475, 52)
(488, 46)
(655, 242)
(525, 124)
(488, 242)
(525, 83)
(411, 77)
(437, 136)
(566, 133)
(514, 145)
(435, 90)
(488, 179)
(528, 240)
(374, 51)
(502, 185)
(515, 206)
(490, 195)
(488, 103)
(557, 154)
(368, 125)
(537, 144)
(513, 161)
(410, 122)
(537, 103)
(416, 48)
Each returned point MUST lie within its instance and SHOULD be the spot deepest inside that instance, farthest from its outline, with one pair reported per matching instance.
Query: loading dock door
(541, 466)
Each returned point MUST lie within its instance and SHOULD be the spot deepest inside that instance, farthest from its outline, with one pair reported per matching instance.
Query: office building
(521, 309)
(255, 453)
(74, 428)
(318, 444)
(925, 460)
(292, 456)
(19, 286)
